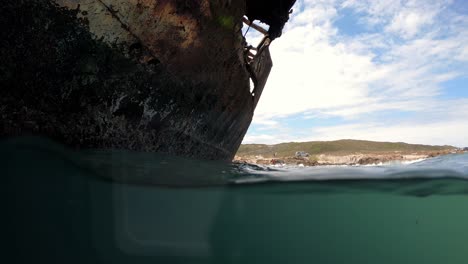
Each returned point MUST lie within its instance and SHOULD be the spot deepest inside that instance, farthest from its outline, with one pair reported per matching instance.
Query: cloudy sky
(382, 70)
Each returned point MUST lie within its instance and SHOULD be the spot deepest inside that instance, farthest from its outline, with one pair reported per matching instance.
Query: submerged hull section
(167, 76)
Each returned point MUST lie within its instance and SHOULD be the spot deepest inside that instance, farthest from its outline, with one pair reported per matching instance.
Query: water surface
(126, 207)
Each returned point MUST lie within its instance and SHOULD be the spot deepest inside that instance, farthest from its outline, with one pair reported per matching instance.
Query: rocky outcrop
(367, 159)
(167, 76)
(350, 159)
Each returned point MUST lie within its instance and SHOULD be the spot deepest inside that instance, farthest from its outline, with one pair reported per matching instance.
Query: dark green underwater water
(123, 207)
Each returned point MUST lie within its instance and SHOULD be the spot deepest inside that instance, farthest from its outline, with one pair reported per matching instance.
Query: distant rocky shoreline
(344, 159)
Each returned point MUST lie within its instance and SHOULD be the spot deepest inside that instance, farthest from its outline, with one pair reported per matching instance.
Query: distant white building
(302, 154)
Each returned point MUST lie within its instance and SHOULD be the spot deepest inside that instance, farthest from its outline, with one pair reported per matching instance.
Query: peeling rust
(168, 76)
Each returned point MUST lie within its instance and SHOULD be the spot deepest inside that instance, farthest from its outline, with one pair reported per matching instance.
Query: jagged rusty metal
(168, 75)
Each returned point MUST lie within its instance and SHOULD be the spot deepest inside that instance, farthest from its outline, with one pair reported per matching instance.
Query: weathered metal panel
(144, 75)
(167, 76)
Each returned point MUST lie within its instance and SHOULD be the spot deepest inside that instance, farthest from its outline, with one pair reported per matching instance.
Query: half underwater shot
(234, 131)
(133, 207)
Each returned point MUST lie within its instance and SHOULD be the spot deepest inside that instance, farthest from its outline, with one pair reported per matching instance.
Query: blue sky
(381, 70)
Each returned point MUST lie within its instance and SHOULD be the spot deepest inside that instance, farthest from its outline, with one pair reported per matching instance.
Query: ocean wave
(450, 166)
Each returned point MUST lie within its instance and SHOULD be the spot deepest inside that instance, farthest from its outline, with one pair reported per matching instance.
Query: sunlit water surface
(127, 207)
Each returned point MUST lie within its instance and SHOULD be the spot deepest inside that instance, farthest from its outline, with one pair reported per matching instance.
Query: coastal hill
(344, 151)
(343, 147)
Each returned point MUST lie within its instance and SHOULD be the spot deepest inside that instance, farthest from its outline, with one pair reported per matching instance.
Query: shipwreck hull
(168, 76)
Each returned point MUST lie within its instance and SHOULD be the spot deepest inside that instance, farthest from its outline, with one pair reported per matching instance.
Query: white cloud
(411, 18)
(320, 72)
(377, 12)
(259, 139)
(408, 22)
(452, 132)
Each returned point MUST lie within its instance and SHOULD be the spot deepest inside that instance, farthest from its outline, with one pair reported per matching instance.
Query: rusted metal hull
(146, 75)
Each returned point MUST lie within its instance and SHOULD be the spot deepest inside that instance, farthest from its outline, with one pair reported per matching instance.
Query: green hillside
(345, 146)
